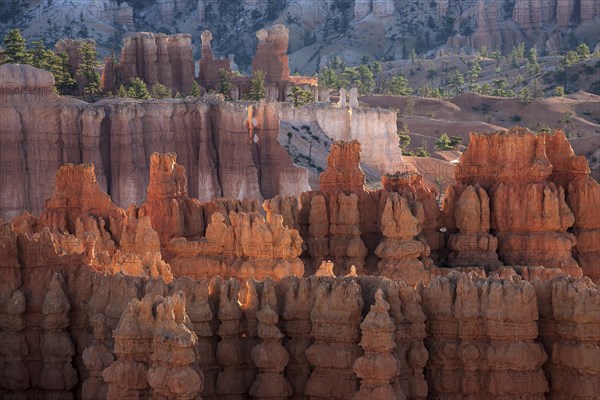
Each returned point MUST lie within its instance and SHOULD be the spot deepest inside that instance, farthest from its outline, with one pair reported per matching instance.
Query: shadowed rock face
(227, 149)
(155, 58)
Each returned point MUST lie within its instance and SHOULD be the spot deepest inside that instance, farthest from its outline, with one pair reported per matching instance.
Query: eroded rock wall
(155, 58)
(223, 152)
(483, 336)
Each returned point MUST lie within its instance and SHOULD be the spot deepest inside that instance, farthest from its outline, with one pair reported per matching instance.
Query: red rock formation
(345, 244)
(343, 169)
(270, 356)
(230, 352)
(271, 58)
(173, 353)
(96, 358)
(411, 186)
(276, 172)
(569, 326)
(172, 212)
(154, 348)
(298, 303)
(335, 326)
(155, 58)
(271, 54)
(528, 211)
(583, 197)
(13, 345)
(246, 246)
(209, 66)
(401, 255)
(40, 131)
(405, 309)
(58, 376)
(473, 245)
(377, 366)
(479, 332)
(287, 207)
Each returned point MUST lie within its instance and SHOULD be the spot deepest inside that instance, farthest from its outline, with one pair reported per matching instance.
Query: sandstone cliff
(227, 150)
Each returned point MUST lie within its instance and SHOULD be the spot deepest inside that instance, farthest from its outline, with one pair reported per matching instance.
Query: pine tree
(87, 69)
(532, 63)
(257, 87)
(138, 89)
(422, 152)
(398, 86)
(413, 56)
(225, 85)
(559, 91)
(456, 82)
(39, 57)
(122, 92)
(443, 142)
(583, 51)
(300, 96)
(329, 79)
(61, 69)
(195, 90)
(524, 96)
(160, 91)
(365, 79)
(15, 48)
(538, 93)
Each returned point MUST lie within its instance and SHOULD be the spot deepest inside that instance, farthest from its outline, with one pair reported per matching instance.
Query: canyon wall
(375, 129)
(223, 152)
(528, 21)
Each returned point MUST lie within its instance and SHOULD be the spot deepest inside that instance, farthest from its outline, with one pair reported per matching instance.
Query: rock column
(377, 367)
(96, 358)
(271, 359)
(58, 376)
(230, 350)
(473, 246)
(570, 330)
(335, 327)
(401, 255)
(299, 300)
(173, 353)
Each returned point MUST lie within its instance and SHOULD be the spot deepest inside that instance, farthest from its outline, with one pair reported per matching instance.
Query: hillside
(378, 29)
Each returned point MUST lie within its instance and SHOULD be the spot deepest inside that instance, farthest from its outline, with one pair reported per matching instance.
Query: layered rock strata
(473, 245)
(155, 349)
(400, 253)
(583, 196)
(335, 326)
(269, 355)
(216, 142)
(155, 58)
(569, 326)
(58, 377)
(377, 366)
(528, 210)
(482, 339)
